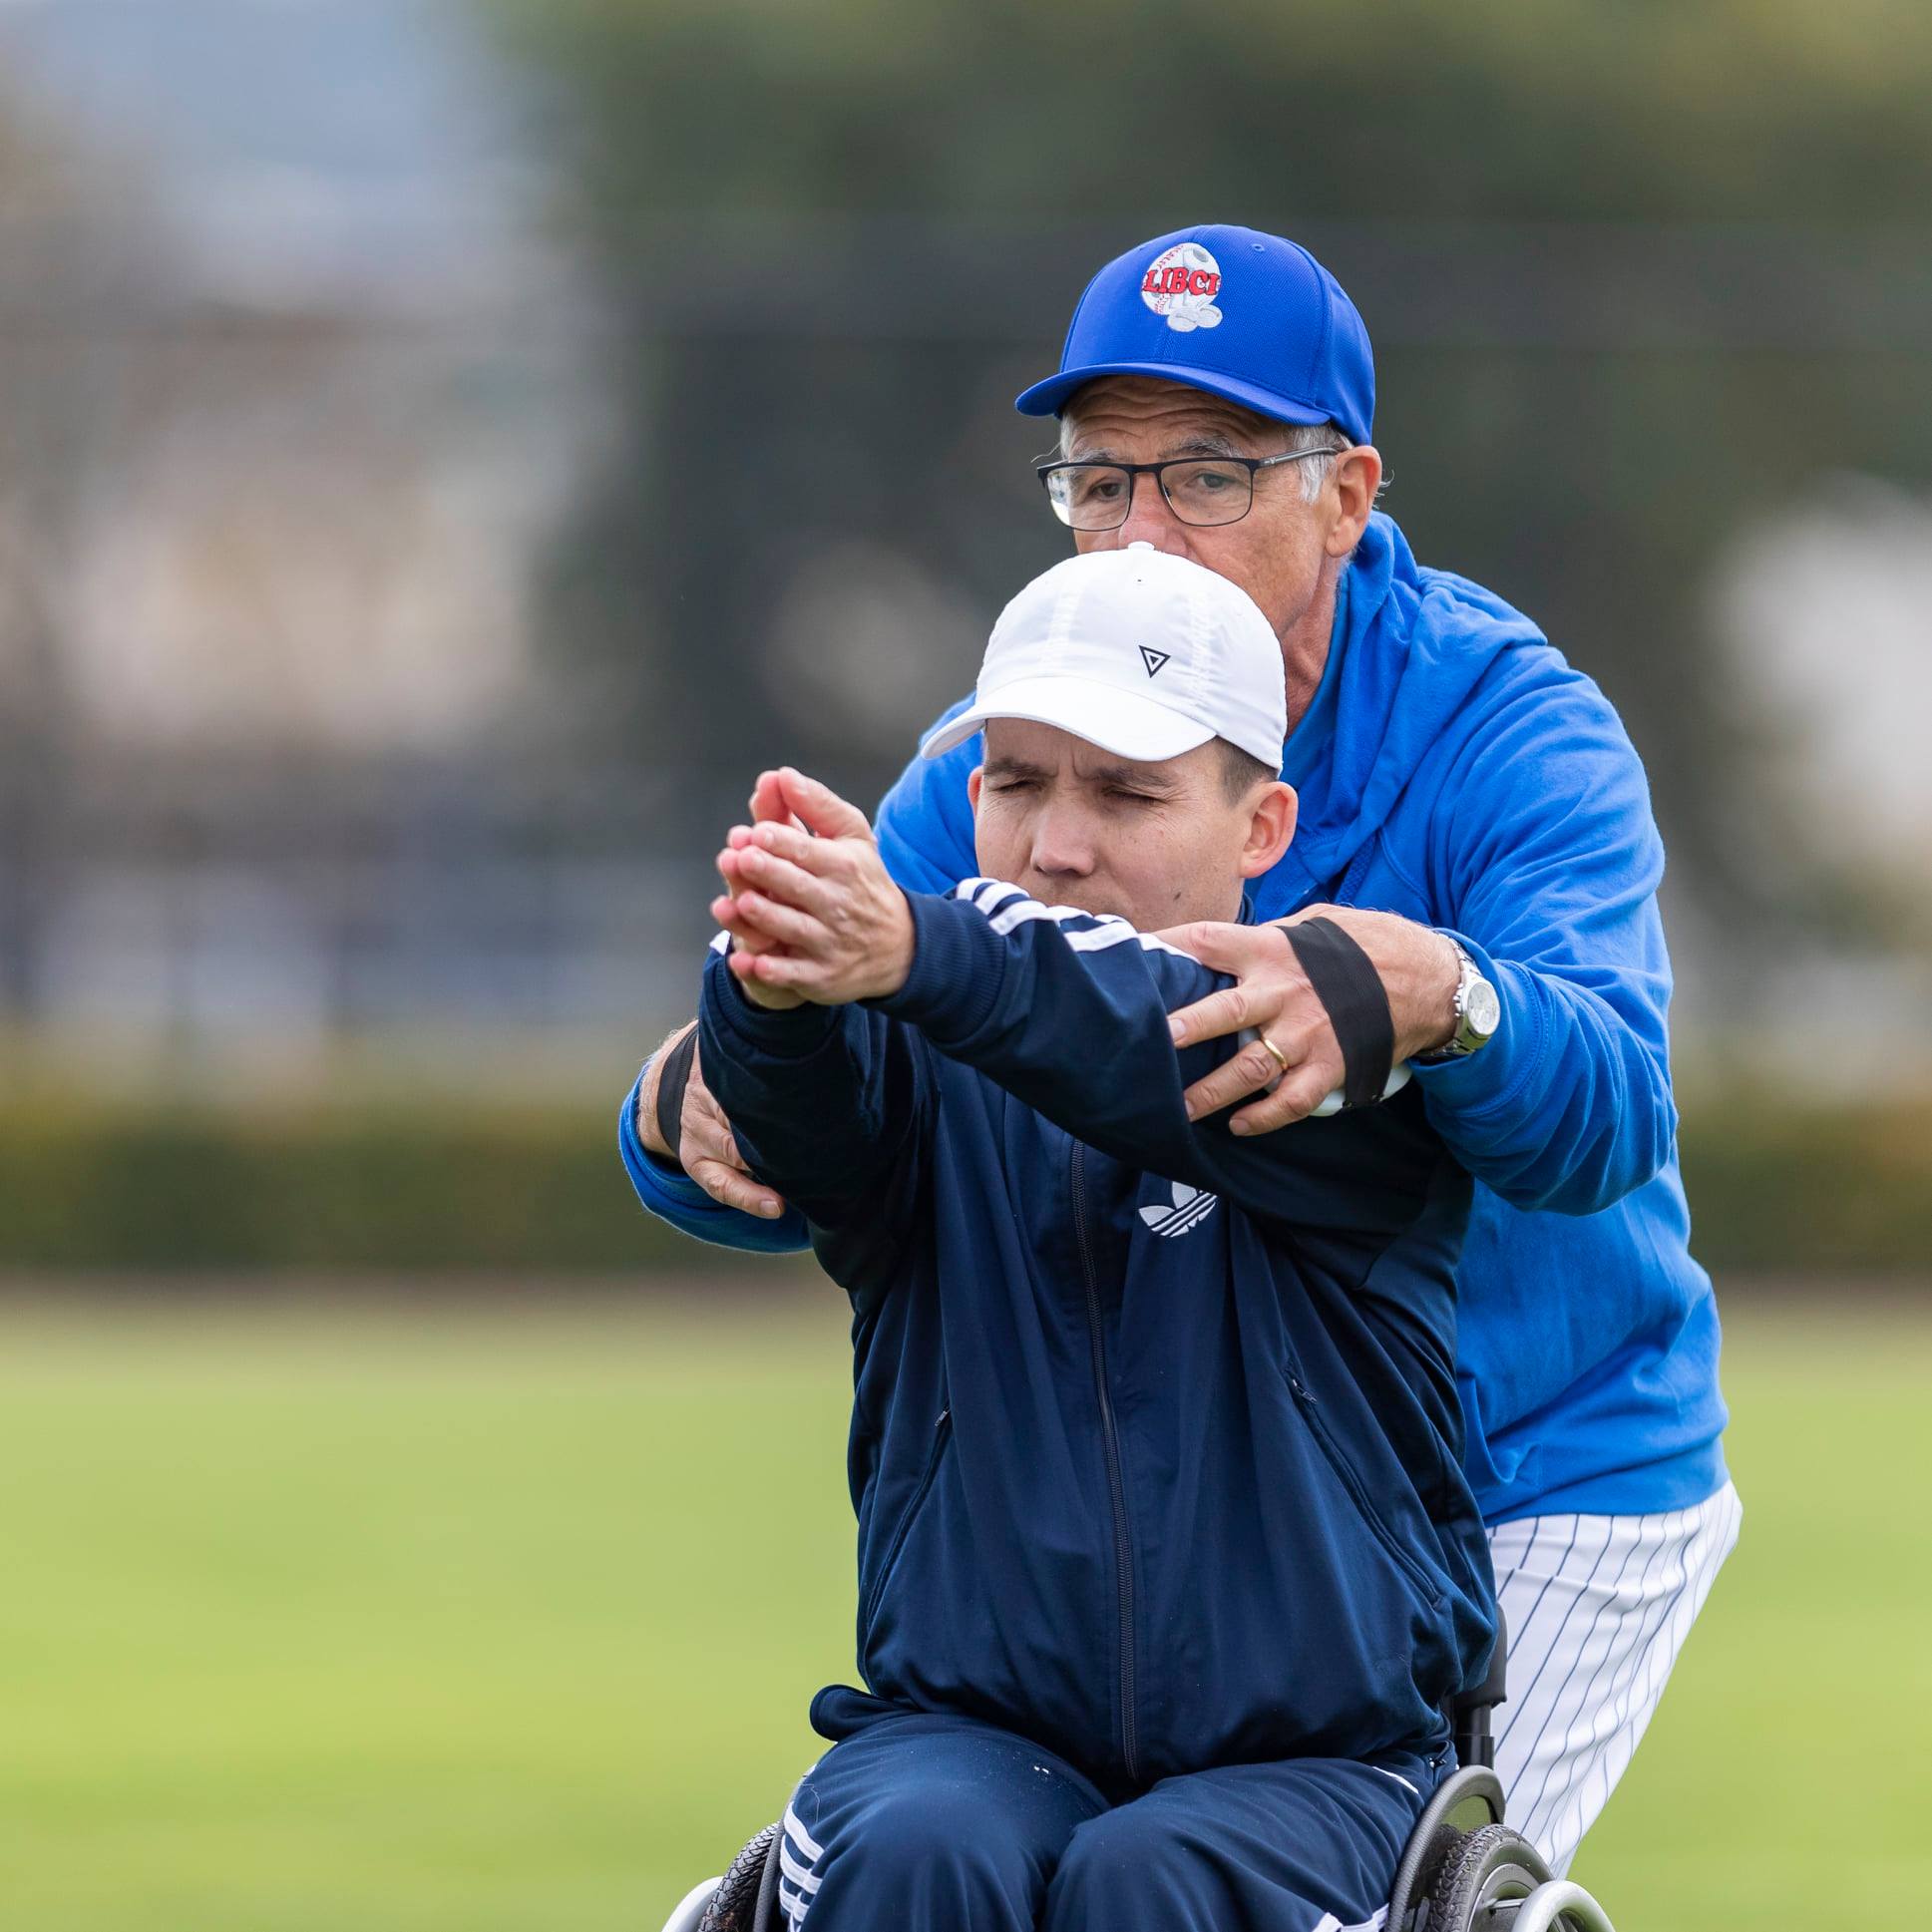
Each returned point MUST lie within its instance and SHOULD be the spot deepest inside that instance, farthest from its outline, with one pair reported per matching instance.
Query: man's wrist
(648, 1137)
(1475, 1011)
(905, 943)
(1444, 979)
(645, 1120)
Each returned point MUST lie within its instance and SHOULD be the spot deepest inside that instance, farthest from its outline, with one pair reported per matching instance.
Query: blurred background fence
(448, 448)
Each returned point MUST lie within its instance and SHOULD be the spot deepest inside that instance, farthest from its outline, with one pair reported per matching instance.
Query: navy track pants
(928, 1823)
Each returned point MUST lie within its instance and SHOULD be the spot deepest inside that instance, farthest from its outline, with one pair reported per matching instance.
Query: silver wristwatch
(1478, 1012)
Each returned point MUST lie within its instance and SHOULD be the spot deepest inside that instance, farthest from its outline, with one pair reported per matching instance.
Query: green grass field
(320, 1618)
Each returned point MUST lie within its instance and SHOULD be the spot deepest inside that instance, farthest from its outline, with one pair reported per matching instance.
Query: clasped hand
(812, 912)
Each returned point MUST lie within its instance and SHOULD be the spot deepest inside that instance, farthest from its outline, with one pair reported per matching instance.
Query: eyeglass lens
(1097, 495)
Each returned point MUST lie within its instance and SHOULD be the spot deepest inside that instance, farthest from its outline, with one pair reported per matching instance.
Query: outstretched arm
(691, 1172)
(702, 1187)
(827, 1102)
(1065, 1010)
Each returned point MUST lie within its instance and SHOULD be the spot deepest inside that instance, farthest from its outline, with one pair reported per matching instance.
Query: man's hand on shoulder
(1417, 968)
(812, 910)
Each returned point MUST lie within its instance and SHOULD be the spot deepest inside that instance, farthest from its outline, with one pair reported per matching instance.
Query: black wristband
(1350, 989)
(673, 1076)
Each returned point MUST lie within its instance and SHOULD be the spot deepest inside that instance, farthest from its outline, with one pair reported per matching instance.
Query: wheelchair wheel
(1483, 1881)
(1496, 1878)
(742, 1901)
(1466, 1802)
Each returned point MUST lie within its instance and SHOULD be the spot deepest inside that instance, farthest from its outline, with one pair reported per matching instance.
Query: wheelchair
(1463, 1870)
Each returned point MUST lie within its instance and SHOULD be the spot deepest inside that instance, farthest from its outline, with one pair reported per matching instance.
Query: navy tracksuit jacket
(1156, 1447)
(1155, 1443)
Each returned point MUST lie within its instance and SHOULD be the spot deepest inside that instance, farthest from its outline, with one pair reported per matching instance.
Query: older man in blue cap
(1474, 817)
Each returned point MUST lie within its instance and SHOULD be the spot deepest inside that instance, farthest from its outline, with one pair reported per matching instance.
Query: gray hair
(1325, 437)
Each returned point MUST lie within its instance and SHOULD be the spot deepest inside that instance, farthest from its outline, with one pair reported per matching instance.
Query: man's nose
(1149, 521)
(1061, 847)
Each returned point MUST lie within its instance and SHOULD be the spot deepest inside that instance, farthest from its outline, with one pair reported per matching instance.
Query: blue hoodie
(1102, 1353)
(1454, 769)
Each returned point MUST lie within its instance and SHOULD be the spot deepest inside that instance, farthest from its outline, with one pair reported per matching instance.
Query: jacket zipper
(1123, 1554)
(1406, 1559)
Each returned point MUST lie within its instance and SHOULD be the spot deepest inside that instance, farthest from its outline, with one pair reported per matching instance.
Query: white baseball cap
(1144, 654)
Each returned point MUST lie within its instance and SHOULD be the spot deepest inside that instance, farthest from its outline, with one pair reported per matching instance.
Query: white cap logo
(1181, 285)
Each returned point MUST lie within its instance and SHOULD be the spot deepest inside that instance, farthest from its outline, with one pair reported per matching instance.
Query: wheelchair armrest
(1493, 1690)
(1470, 1711)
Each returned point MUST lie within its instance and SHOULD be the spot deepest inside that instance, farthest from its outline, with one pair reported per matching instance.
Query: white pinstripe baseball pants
(1598, 1608)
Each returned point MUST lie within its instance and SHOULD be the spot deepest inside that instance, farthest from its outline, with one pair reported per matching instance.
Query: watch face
(1482, 1012)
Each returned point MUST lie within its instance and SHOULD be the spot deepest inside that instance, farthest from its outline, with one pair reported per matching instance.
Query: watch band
(1465, 1039)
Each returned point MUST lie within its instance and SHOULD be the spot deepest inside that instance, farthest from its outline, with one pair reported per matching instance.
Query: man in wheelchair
(1168, 1569)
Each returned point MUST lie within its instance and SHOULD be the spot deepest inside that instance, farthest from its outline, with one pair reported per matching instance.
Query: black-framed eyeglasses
(1200, 489)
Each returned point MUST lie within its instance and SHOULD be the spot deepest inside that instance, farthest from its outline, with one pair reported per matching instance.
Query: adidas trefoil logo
(1153, 658)
(1190, 1208)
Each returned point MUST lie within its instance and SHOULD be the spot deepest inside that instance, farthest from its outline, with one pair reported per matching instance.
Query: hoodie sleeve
(924, 823)
(1067, 1011)
(1551, 885)
(829, 1106)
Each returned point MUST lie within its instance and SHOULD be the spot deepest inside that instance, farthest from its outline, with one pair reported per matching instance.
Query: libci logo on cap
(1181, 285)
(1153, 658)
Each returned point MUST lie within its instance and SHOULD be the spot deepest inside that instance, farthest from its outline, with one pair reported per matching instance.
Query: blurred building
(399, 580)
(296, 396)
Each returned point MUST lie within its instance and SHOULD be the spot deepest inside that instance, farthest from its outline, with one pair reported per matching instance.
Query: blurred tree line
(523, 1193)
(1637, 273)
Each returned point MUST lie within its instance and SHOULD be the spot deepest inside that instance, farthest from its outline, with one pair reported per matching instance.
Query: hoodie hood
(1414, 645)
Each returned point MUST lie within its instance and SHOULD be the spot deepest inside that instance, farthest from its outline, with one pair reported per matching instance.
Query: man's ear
(1269, 830)
(1357, 478)
(973, 788)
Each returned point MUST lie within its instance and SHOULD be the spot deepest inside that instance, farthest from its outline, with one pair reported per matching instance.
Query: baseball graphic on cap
(1182, 285)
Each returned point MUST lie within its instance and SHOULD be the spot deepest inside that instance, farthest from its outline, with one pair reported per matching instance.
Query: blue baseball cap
(1245, 315)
